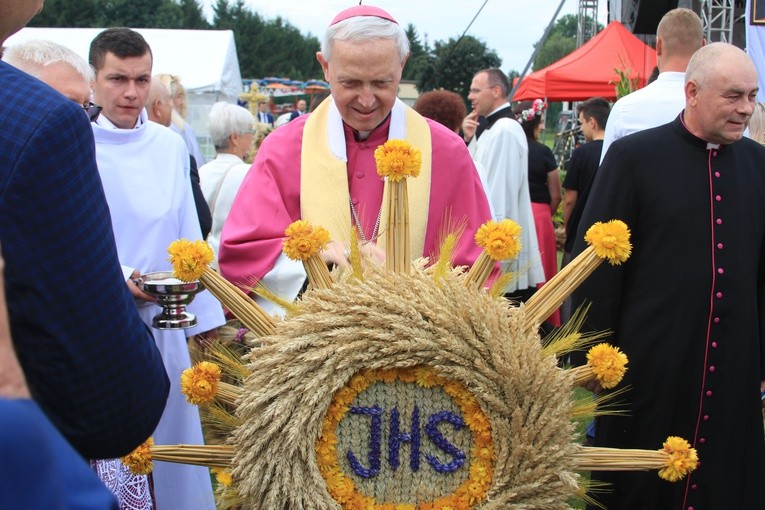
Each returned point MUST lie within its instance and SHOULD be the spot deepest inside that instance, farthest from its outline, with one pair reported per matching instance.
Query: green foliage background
(274, 47)
(269, 47)
(560, 42)
(265, 47)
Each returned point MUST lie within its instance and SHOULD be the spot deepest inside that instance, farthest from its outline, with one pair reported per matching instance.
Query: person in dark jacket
(688, 307)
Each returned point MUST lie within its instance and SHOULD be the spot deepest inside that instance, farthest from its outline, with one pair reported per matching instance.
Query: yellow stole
(324, 196)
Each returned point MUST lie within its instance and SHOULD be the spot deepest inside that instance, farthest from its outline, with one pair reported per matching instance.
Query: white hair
(32, 56)
(363, 28)
(227, 119)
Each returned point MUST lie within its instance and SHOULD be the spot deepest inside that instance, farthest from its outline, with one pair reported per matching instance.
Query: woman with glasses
(232, 133)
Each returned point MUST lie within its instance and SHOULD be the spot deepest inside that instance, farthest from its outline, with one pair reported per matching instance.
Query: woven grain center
(411, 464)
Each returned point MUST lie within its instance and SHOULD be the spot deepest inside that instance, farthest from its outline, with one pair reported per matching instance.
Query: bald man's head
(158, 104)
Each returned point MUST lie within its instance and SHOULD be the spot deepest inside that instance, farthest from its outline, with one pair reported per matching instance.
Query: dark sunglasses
(93, 111)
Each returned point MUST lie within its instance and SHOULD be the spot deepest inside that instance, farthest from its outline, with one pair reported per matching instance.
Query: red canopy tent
(589, 71)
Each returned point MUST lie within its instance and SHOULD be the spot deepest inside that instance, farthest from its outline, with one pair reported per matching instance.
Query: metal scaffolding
(587, 21)
(717, 19)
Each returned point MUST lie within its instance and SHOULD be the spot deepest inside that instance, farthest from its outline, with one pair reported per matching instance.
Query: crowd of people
(98, 179)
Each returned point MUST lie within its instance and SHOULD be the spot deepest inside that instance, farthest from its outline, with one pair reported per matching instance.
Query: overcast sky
(509, 27)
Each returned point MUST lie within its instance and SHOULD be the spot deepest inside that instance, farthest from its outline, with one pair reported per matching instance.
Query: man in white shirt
(144, 169)
(678, 36)
(501, 156)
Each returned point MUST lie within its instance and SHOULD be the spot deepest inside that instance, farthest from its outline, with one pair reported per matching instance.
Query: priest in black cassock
(688, 307)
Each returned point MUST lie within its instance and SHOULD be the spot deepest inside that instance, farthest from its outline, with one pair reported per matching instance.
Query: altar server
(144, 168)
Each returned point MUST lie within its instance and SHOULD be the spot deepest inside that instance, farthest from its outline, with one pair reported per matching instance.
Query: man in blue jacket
(89, 361)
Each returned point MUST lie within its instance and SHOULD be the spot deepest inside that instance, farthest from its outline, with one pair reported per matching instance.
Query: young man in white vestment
(501, 154)
(144, 168)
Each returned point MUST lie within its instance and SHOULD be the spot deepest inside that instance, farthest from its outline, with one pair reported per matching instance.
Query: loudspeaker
(649, 13)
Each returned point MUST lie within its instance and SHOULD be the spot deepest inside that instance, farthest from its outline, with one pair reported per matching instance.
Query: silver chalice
(172, 295)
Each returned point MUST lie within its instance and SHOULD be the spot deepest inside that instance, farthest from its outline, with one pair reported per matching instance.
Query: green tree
(141, 14)
(451, 66)
(418, 55)
(560, 42)
(69, 13)
(223, 15)
(192, 17)
(248, 34)
(512, 75)
(267, 47)
(264, 47)
(288, 52)
(554, 48)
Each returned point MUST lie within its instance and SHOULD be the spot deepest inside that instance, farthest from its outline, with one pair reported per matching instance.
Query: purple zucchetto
(362, 10)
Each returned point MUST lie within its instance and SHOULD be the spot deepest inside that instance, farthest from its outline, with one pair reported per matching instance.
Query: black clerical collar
(502, 113)
(685, 133)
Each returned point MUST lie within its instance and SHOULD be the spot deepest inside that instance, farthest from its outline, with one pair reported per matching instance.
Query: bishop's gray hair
(32, 56)
(363, 28)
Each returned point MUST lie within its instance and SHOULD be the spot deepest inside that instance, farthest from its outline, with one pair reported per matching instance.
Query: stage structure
(718, 17)
(723, 20)
(587, 21)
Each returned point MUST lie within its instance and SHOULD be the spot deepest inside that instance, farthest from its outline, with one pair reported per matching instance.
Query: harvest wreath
(407, 386)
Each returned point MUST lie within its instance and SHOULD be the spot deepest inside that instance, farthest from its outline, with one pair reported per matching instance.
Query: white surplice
(501, 155)
(145, 174)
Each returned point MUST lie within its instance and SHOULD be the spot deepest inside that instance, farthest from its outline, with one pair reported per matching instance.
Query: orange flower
(358, 383)
(304, 241)
(608, 363)
(397, 160)
(611, 241)
(200, 382)
(326, 449)
(223, 476)
(189, 258)
(500, 240)
(681, 459)
(139, 460)
(407, 375)
(427, 377)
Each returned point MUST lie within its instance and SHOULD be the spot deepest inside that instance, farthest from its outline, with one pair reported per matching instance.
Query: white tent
(205, 61)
